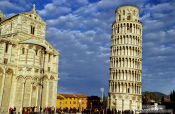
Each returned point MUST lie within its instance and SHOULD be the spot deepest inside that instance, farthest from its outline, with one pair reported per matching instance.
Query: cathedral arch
(52, 77)
(27, 91)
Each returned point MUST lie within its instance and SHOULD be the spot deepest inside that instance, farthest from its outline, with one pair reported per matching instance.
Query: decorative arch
(52, 77)
(1, 70)
(20, 77)
(45, 77)
(27, 91)
(9, 71)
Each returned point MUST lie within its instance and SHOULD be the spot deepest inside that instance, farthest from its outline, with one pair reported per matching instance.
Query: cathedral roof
(33, 41)
(29, 14)
(44, 44)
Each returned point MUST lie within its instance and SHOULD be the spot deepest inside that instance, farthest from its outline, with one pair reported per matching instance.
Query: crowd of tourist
(51, 110)
(93, 111)
(33, 110)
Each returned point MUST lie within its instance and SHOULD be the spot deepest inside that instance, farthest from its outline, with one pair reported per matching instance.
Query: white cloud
(82, 30)
(5, 4)
(50, 8)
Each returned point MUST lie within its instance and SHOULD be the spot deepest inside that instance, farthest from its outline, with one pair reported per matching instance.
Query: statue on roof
(34, 8)
(2, 17)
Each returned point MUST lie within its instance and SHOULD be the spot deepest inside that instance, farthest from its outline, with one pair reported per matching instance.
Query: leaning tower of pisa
(125, 82)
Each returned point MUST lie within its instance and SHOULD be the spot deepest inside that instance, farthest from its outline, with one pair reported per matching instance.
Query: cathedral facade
(125, 82)
(28, 63)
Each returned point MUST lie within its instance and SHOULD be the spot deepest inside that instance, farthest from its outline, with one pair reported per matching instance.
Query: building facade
(72, 101)
(28, 63)
(125, 84)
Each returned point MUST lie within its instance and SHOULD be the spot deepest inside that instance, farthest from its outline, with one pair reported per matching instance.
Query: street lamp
(90, 107)
(102, 92)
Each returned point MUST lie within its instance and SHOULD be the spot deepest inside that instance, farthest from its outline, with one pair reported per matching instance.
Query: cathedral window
(49, 58)
(23, 50)
(6, 47)
(36, 52)
(117, 29)
(32, 30)
(48, 69)
(11, 26)
(5, 61)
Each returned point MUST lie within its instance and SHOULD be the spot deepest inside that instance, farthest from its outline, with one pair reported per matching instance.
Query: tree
(150, 97)
(172, 96)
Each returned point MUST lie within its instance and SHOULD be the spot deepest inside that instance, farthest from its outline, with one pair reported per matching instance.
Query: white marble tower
(125, 82)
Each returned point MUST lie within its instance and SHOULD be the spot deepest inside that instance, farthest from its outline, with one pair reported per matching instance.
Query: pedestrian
(10, 110)
(14, 110)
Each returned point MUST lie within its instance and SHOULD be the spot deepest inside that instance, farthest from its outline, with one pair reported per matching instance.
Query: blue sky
(81, 31)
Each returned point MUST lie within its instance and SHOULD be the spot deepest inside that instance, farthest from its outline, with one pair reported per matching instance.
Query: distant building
(28, 63)
(72, 101)
(94, 102)
(165, 99)
(125, 83)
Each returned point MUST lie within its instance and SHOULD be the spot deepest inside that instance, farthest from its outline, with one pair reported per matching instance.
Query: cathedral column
(55, 93)
(30, 99)
(23, 92)
(13, 92)
(2, 88)
(38, 99)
